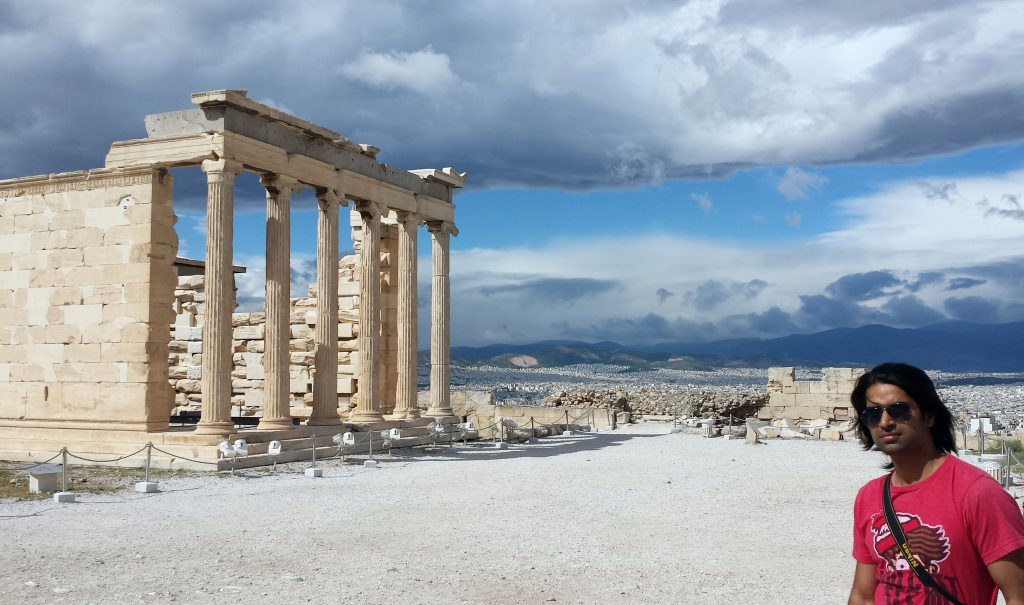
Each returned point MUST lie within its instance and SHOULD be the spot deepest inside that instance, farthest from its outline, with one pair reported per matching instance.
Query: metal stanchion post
(567, 430)
(313, 471)
(64, 495)
(148, 486)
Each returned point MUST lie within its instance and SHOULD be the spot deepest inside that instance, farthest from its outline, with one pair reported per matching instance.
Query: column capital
(326, 194)
(405, 216)
(220, 167)
(372, 208)
(279, 183)
(442, 227)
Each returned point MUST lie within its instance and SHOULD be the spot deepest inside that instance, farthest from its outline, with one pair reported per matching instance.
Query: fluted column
(215, 417)
(440, 322)
(405, 398)
(368, 408)
(325, 380)
(276, 388)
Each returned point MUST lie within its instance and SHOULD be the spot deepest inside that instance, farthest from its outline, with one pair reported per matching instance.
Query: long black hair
(921, 389)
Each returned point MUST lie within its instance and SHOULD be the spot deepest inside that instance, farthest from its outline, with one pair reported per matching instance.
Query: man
(965, 530)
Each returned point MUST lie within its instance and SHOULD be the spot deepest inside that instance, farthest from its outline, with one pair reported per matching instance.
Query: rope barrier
(184, 457)
(343, 450)
(35, 464)
(142, 449)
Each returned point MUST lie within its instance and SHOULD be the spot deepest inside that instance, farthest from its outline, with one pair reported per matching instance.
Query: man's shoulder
(965, 473)
(874, 486)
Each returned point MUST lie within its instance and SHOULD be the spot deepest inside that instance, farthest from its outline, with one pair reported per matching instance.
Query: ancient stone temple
(88, 285)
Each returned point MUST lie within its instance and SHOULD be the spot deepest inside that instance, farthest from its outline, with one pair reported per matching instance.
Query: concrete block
(64, 497)
(44, 478)
(147, 487)
(314, 472)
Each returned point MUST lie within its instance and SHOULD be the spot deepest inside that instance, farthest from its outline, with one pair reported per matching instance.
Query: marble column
(440, 322)
(215, 417)
(405, 397)
(276, 387)
(325, 337)
(368, 407)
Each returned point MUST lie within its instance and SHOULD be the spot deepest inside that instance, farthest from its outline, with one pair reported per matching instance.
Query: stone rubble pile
(661, 401)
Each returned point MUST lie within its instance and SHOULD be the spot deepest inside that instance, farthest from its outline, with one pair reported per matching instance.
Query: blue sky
(639, 171)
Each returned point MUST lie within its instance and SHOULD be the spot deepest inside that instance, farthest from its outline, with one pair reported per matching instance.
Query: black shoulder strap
(897, 533)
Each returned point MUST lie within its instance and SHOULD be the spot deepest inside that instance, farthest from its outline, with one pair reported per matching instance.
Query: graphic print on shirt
(928, 543)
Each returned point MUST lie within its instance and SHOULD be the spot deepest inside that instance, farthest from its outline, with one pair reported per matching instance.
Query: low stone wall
(825, 399)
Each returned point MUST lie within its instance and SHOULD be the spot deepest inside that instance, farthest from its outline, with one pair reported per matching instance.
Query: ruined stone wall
(86, 283)
(248, 330)
(247, 376)
(827, 399)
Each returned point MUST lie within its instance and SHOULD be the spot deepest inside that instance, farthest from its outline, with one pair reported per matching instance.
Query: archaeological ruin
(106, 333)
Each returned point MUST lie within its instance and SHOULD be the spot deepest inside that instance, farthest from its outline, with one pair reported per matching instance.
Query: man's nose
(886, 419)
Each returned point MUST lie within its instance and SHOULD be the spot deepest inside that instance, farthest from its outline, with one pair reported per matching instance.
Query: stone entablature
(825, 399)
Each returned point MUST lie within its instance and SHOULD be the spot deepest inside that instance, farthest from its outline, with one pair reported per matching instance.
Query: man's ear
(929, 420)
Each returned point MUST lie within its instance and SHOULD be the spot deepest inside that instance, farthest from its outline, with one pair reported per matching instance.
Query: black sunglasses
(899, 411)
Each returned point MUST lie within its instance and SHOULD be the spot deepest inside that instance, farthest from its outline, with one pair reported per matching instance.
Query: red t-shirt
(957, 521)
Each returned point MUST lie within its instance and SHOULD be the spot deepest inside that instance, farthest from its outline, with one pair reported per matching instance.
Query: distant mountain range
(948, 345)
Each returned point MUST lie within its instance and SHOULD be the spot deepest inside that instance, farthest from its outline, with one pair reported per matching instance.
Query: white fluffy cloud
(423, 71)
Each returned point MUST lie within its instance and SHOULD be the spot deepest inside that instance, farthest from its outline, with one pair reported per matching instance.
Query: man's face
(896, 431)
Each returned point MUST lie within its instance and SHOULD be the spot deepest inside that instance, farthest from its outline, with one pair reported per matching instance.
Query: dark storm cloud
(818, 312)
(1008, 273)
(973, 308)
(472, 85)
(910, 132)
(924, 279)
(830, 16)
(713, 293)
(770, 323)
(1009, 206)
(663, 295)
(962, 283)
(864, 286)
(910, 311)
(552, 289)
(647, 329)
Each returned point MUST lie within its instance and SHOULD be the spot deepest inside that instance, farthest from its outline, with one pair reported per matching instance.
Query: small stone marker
(314, 472)
(501, 445)
(370, 464)
(43, 478)
(752, 435)
(147, 487)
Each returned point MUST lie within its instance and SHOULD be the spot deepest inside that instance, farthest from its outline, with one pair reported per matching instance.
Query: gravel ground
(632, 516)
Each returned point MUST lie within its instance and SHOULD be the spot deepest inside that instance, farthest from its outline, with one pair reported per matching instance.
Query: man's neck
(909, 468)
